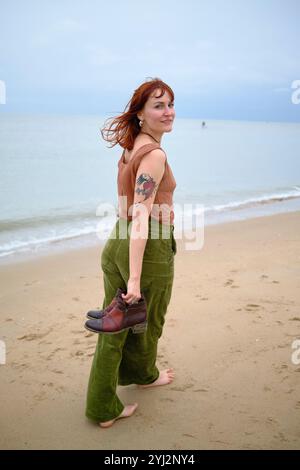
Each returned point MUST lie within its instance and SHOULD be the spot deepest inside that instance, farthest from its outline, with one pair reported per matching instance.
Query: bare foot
(165, 377)
(128, 411)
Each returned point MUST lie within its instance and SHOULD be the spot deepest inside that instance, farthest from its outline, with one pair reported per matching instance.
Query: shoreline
(80, 242)
(230, 326)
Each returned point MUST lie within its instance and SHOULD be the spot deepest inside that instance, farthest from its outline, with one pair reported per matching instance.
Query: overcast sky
(233, 59)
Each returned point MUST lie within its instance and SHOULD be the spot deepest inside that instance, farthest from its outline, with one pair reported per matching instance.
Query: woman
(135, 264)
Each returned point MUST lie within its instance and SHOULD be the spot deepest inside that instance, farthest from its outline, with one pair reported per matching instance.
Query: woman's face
(158, 113)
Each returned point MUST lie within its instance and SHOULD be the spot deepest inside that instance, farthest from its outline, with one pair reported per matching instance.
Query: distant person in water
(203, 124)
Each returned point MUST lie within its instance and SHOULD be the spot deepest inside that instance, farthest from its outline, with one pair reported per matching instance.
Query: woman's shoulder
(144, 149)
(151, 151)
(150, 147)
(158, 153)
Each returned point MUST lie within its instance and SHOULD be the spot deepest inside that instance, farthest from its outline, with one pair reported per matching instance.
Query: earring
(141, 123)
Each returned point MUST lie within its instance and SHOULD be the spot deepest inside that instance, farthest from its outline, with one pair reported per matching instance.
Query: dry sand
(233, 316)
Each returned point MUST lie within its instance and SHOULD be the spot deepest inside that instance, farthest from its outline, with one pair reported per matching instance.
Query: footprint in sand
(40, 396)
(190, 435)
(34, 336)
(183, 388)
(49, 384)
(30, 283)
(252, 307)
(23, 365)
(280, 436)
(78, 353)
(294, 319)
(229, 283)
(282, 346)
(201, 298)
(54, 352)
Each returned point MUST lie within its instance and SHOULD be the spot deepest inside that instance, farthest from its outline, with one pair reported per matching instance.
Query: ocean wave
(256, 201)
(68, 227)
(34, 243)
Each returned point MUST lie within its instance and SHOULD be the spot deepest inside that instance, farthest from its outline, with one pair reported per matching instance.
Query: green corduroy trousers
(126, 358)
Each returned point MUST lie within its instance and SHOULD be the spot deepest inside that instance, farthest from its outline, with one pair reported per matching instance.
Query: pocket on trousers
(158, 251)
(158, 259)
(157, 269)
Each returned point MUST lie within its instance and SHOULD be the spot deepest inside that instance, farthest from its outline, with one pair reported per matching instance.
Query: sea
(58, 177)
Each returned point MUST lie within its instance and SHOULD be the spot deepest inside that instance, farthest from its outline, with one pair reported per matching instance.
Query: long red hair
(124, 128)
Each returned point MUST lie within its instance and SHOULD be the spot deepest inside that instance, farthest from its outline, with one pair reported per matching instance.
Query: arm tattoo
(146, 185)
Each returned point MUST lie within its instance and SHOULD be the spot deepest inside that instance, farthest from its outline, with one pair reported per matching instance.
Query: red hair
(124, 128)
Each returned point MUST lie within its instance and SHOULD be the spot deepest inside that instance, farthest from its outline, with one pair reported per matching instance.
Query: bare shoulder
(156, 155)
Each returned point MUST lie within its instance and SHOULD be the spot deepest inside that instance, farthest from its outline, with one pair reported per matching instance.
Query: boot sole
(136, 329)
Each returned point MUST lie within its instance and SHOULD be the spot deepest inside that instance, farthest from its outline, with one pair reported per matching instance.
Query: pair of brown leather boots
(119, 316)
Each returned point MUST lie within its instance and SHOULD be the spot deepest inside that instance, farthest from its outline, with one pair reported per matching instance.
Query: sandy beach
(231, 322)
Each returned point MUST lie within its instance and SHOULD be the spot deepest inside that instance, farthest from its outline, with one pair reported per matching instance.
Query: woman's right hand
(133, 291)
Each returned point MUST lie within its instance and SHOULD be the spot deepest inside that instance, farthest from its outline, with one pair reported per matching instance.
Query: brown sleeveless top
(162, 209)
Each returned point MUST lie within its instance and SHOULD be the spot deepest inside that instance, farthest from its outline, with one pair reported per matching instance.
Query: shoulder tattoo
(146, 185)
